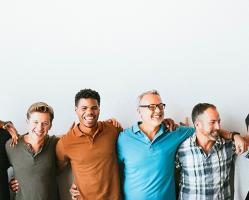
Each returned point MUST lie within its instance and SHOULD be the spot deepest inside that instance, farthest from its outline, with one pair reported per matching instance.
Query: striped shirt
(205, 176)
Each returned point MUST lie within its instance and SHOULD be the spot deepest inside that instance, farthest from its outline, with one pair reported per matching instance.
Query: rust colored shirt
(93, 160)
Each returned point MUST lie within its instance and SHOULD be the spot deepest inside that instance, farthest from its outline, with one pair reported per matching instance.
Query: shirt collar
(79, 132)
(136, 129)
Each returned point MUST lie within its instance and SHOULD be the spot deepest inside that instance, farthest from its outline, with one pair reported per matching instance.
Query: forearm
(225, 134)
(246, 138)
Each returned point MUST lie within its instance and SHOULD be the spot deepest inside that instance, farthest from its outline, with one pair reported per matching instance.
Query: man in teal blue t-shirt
(147, 151)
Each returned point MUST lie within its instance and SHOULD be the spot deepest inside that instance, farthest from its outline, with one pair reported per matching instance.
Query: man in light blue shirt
(147, 152)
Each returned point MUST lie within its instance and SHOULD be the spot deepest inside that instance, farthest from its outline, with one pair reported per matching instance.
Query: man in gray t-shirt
(33, 158)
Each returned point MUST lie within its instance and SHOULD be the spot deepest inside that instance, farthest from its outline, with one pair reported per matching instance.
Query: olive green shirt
(36, 173)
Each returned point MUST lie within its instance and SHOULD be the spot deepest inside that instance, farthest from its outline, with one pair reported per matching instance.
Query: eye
(95, 108)
(151, 107)
(45, 124)
(83, 108)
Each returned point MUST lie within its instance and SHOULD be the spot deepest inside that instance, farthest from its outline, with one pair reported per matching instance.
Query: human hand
(14, 185)
(114, 122)
(240, 144)
(12, 131)
(170, 124)
(74, 192)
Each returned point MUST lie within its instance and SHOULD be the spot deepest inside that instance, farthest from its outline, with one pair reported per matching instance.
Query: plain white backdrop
(191, 51)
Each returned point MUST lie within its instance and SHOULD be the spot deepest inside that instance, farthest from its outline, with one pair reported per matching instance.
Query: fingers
(241, 148)
(74, 192)
(170, 124)
(240, 144)
(114, 122)
(14, 185)
(14, 137)
(13, 132)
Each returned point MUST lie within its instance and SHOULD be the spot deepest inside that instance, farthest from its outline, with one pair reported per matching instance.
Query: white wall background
(191, 51)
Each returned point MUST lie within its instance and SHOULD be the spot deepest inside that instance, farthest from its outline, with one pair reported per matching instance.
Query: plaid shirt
(205, 176)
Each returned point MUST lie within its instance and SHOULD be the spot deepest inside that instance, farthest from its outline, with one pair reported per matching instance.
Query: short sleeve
(62, 159)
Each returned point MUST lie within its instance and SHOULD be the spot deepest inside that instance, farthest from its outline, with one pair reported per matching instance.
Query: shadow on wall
(64, 181)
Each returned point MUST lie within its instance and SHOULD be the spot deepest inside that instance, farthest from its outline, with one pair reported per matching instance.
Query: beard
(213, 135)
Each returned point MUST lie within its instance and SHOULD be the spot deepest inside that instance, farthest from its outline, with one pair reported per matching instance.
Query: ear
(197, 123)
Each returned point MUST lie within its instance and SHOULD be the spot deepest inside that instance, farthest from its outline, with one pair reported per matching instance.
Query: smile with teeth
(89, 118)
(157, 116)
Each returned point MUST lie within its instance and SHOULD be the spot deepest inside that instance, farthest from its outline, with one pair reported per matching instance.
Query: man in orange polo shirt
(90, 148)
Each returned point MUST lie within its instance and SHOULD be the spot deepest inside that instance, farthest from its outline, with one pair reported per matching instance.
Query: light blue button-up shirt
(149, 165)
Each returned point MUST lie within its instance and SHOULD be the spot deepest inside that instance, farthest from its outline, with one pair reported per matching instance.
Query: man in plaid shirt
(205, 158)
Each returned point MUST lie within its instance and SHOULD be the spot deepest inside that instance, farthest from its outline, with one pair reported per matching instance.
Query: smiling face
(88, 111)
(208, 123)
(149, 116)
(39, 124)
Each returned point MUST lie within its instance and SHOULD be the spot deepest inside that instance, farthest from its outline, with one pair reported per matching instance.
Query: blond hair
(41, 107)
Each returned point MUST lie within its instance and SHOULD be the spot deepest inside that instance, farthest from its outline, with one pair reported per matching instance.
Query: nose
(40, 126)
(158, 110)
(217, 126)
(89, 110)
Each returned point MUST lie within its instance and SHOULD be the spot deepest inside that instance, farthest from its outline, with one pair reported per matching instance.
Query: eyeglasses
(153, 107)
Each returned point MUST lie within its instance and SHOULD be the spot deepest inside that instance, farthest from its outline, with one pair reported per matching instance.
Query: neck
(88, 130)
(35, 142)
(205, 143)
(149, 130)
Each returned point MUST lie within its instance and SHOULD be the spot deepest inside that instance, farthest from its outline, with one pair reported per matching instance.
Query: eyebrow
(88, 106)
(213, 120)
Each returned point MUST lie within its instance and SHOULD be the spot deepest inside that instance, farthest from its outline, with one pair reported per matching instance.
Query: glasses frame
(152, 107)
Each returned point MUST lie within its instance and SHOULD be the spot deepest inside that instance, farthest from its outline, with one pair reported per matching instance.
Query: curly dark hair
(86, 94)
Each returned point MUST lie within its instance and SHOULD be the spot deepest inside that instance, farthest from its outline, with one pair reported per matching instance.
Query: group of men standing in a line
(109, 163)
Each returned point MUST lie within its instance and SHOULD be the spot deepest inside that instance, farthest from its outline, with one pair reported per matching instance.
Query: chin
(157, 123)
(90, 125)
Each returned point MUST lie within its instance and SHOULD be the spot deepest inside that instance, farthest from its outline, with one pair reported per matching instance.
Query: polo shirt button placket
(150, 147)
(35, 159)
